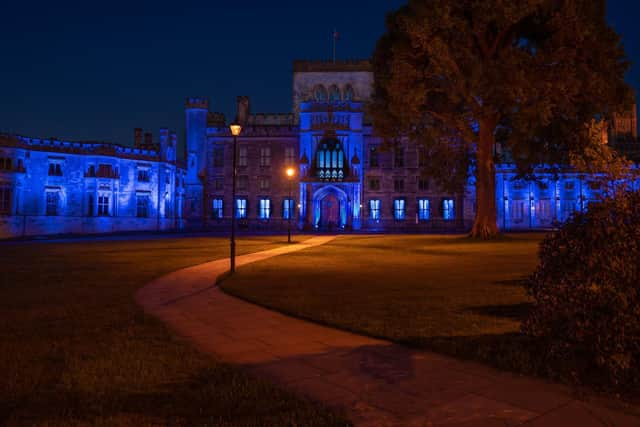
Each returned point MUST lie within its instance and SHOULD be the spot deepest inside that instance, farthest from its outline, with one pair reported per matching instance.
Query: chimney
(148, 140)
(137, 137)
(173, 147)
(244, 110)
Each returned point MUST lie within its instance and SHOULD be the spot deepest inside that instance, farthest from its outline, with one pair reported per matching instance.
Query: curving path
(378, 383)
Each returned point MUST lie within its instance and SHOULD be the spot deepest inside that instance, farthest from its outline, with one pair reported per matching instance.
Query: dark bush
(586, 289)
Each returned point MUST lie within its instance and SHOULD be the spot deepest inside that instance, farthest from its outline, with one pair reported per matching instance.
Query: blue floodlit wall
(196, 111)
(545, 202)
(60, 187)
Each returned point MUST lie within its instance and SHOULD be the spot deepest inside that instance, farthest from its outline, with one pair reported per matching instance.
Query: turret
(196, 111)
(164, 143)
(173, 147)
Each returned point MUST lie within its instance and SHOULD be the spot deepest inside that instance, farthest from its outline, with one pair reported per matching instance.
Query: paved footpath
(378, 383)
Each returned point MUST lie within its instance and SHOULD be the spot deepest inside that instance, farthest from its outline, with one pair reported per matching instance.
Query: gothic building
(344, 179)
(48, 186)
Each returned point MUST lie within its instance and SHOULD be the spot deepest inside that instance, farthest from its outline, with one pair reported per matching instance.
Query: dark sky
(95, 70)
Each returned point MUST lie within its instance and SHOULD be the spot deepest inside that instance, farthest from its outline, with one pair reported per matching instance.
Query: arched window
(330, 160)
(334, 94)
(348, 93)
(320, 94)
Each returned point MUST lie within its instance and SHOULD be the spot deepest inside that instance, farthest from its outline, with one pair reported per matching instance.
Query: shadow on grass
(523, 354)
(514, 311)
(513, 282)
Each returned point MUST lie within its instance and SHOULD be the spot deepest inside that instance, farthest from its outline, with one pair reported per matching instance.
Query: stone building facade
(49, 186)
(344, 179)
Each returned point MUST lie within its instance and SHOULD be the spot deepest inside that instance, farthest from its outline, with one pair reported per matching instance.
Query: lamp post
(290, 173)
(235, 131)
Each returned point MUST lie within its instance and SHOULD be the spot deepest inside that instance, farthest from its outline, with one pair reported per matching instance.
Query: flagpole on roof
(335, 38)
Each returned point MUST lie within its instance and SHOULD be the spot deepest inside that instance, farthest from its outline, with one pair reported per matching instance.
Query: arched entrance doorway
(330, 208)
(330, 212)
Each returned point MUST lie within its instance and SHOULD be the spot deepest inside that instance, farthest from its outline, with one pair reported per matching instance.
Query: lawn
(446, 293)
(76, 350)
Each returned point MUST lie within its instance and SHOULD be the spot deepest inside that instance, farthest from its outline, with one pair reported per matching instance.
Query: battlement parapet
(307, 66)
(216, 120)
(77, 147)
(270, 119)
(201, 102)
(249, 131)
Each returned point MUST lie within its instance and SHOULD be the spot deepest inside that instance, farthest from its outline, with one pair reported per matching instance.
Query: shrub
(586, 289)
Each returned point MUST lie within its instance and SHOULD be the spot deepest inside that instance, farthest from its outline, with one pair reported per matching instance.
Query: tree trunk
(485, 224)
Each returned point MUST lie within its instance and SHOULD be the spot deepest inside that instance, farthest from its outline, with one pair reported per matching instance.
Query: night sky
(95, 70)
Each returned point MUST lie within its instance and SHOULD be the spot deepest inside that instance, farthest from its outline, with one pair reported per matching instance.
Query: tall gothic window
(288, 209)
(103, 205)
(241, 208)
(264, 209)
(374, 209)
(399, 209)
(423, 209)
(448, 212)
(216, 208)
(330, 164)
(348, 93)
(320, 94)
(334, 94)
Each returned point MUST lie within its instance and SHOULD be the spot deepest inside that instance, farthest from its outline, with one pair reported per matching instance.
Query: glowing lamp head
(290, 172)
(235, 129)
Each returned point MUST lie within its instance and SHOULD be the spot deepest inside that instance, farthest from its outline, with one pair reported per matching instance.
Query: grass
(76, 350)
(446, 293)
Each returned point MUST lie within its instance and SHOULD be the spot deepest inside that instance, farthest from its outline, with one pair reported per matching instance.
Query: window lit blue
(423, 209)
(374, 209)
(448, 212)
(241, 208)
(399, 210)
(330, 161)
(288, 209)
(264, 209)
(216, 209)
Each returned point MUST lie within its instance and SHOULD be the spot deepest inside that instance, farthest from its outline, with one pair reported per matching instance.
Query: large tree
(462, 76)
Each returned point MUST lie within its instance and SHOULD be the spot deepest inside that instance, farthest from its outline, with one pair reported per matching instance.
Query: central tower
(328, 100)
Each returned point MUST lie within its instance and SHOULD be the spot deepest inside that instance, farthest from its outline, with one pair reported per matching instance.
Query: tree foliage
(527, 74)
(587, 287)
